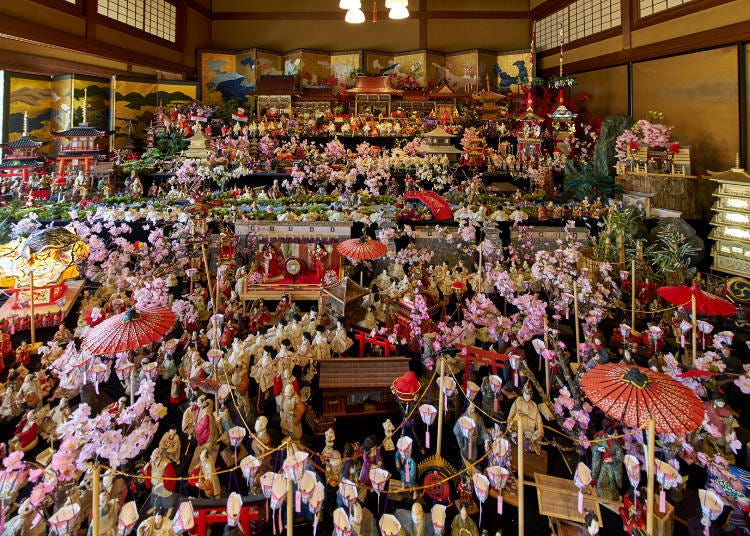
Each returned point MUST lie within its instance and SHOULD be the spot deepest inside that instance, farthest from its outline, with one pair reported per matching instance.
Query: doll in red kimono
(26, 435)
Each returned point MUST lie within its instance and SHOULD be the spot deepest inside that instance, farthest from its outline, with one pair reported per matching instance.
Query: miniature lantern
(498, 477)
(236, 435)
(389, 525)
(482, 489)
(249, 466)
(184, 518)
(438, 518)
(428, 413)
(581, 478)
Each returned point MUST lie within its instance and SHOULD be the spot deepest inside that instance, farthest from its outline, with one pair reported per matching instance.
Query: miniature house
(372, 95)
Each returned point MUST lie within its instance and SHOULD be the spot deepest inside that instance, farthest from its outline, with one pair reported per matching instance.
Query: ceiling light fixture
(355, 16)
(399, 9)
(399, 12)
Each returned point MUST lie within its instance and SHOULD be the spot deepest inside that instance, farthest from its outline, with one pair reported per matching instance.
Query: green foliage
(583, 181)
(170, 145)
(229, 107)
(8, 213)
(671, 252)
(624, 225)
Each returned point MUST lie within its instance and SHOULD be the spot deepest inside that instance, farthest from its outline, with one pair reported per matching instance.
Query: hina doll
(208, 479)
(160, 473)
(469, 442)
(414, 522)
(294, 332)
(405, 464)
(304, 349)
(338, 340)
(261, 443)
(525, 408)
(292, 411)
(606, 469)
(170, 445)
(371, 457)
(463, 525)
(320, 347)
(26, 436)
(362, 521)
(28, 522)
(263, 374)
(272, 264)
(320, 257)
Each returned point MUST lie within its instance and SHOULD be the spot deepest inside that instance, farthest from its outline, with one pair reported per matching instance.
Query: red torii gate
(472, 354)
(208, 512)
(364, 337)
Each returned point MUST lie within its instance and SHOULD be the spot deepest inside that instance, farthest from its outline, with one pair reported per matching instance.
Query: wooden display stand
(672, 192)
(664, 523)
(532, 463)
(558, 499)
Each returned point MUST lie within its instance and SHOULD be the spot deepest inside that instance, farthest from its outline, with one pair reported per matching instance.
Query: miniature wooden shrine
(731, 221)
(314, 102)
(344, 300)
(372, 95)
(22, 157)
(356, 387)
(444, 100)
(273, 96)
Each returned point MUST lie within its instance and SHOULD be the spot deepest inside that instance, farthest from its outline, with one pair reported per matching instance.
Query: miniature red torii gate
(472, 354)
(206, 515)
(376, 340)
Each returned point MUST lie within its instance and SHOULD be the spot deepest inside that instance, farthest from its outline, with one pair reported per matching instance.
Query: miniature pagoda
(438, 142)
(82, 148)
(22, 158)
(198, 146)
(731, 221)
(490, 110)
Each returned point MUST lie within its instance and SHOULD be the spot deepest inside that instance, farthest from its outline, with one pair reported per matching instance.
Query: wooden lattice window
(650, 7)
(582, 18)
(155, 17)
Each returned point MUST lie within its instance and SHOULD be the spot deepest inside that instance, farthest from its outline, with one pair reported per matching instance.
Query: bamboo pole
(95, 501)
(478, 290)
(650, 482)
(575, 314)
(519, 424)
(289, 496)
(208, 274)
(632, 294)
(694, 311)
(546, 362)
(441, 404)
(33, 314)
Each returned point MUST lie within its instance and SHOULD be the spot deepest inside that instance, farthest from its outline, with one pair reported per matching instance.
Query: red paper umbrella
(130, 330)
(705, 302)
(632, 395)
(362, 249)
